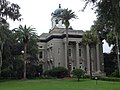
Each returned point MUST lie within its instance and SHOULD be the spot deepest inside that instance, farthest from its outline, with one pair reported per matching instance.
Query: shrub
(48, 73)
(110, 79)
(115, 73)
(86, 76)
(59, 72)
(78, 73)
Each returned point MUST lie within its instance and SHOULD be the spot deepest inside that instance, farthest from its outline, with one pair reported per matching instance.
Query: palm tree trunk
(90, 62)
(67, 48)
(25, 55)
(67, 53)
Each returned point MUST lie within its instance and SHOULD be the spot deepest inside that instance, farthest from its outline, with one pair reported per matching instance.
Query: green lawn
(58, 84)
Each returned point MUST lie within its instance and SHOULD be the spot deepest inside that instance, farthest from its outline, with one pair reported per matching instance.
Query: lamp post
(96, 78)
(22, 52)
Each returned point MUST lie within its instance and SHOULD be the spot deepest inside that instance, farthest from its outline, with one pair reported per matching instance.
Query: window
(40, 55)
(80, 67)
(56, 21)
(73, 68)
(58, 50)
(40, 46)
(69, 52)
(79, 52)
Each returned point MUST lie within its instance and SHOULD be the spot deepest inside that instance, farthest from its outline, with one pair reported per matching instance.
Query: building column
(88, 59)
(98, 57)
(71, 66)
(101, 57)
(77, 54)
(66, 55)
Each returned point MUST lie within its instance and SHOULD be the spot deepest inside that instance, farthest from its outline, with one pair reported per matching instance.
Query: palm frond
(23, 33)
(66, 16)
(90, 38)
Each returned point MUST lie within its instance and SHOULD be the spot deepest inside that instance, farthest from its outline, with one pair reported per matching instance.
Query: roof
(44, 35)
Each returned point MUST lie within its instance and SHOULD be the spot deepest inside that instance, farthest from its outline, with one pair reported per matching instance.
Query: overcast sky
(38, 14)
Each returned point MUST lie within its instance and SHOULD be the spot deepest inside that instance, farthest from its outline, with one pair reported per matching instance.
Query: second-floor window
(80, 52)
(69, 52)
(40, 54)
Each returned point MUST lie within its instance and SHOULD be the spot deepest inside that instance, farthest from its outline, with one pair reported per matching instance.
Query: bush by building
(78, 73)
(58, 72)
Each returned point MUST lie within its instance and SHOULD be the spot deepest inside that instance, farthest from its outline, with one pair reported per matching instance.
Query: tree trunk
(67, 53)
(90, 62)
(78, 79)
(25, 55)
(118, 58)
(67, 48)
(0, 62)
(117, 24)
(1, 49)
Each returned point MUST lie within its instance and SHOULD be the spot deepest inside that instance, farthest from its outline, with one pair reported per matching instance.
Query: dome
(58, 11)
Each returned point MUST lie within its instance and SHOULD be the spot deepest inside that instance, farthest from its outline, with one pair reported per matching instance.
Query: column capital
(77, 42)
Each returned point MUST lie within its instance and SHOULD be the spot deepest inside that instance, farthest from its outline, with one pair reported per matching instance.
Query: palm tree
(90, 39)
(23, 34)
(66, 16)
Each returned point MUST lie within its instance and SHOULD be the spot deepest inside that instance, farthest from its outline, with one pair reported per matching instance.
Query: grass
(58, 84)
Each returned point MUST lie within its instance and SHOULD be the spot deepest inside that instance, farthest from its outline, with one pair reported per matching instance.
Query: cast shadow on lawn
(75, 80)
(81, 80)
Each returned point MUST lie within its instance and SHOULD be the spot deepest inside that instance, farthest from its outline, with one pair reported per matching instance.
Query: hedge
(110, 79)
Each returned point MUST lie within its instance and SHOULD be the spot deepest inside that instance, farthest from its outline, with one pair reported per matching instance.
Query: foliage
(115, 73)
(107, 17)
(9, 10)
(90, 38)
(15, 72)
(27, 36)
(110, 63)
(34, 70)
(12, 60)
(66, 16)
(24, 33)
(93, 1)
(111, 38)
(59, 72)
(110, 79)
(78, 73)
(17, 67)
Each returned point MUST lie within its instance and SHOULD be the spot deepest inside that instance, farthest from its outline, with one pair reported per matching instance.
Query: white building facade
(52, 49)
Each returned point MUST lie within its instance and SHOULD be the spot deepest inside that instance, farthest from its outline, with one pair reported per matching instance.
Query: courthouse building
(52, 48)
